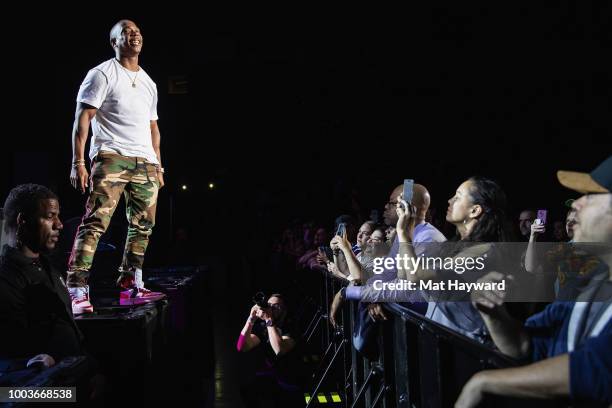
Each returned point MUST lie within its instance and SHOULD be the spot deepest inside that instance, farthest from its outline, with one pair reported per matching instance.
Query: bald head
(115, 32)
(396, 192)
(420, 199)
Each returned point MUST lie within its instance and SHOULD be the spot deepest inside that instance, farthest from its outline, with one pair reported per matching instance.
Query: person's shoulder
(105, 69)
(10, 274)
(145, 76)
(553, 313)
(429, 233)
(106, 66)
(478, 249)
(289, 331)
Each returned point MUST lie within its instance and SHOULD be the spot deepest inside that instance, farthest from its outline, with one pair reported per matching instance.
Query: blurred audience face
(320, 237)
(364, 234)
(278, 308)
(525, 220)
(377, 245)
(593, 218)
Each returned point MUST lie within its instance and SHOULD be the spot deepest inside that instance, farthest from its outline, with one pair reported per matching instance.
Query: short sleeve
(154, 106)
(94, 89)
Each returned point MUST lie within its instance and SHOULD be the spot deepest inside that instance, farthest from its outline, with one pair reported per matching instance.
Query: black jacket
(35, 309)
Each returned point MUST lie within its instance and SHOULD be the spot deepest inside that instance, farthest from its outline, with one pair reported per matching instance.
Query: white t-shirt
(123, 121)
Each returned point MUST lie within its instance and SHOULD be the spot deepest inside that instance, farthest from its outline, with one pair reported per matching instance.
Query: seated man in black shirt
(36, 319)
(279, 374)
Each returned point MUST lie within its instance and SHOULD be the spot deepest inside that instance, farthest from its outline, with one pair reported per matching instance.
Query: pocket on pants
(151, 170)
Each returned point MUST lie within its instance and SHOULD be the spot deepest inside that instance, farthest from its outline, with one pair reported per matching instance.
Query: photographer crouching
(267, 331)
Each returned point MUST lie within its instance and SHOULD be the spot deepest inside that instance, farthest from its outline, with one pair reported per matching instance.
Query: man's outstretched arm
(545, 379)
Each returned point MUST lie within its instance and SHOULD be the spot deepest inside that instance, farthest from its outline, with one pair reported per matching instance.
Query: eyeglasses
(274, 305)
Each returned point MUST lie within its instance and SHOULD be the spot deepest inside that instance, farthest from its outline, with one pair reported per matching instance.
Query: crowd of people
(564, 327)
(565, 331)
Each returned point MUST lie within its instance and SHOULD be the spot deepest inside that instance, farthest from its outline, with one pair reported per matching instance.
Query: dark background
(292, 115)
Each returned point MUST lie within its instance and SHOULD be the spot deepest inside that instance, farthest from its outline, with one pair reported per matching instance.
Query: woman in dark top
(477, 210)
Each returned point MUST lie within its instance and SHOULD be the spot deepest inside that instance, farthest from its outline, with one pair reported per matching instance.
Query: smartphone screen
(542, 216)
(407, 193)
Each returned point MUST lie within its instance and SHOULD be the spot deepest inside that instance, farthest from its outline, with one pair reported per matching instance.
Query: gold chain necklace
(133, 81)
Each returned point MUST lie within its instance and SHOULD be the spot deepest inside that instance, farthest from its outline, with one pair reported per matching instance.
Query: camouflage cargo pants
(112, 175)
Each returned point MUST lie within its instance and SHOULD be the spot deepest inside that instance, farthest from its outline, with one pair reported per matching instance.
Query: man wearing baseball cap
(571, 342)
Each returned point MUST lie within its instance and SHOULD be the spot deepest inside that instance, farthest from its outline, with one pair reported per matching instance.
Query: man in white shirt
(119, 100)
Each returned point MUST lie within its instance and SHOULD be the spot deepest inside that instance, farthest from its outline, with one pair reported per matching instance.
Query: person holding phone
(345, 229)
(561, 269)
(310, 259)
(370, 312)
(538, 228)
(477, 210)
(526, 220)
(569, 342)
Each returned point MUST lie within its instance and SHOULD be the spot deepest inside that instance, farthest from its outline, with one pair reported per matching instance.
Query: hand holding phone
(327, 251)
(407, 192)
(538, 226)
(542, 216)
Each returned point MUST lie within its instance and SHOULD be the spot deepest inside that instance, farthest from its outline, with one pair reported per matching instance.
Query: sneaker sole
(138, 301)
(86, 310)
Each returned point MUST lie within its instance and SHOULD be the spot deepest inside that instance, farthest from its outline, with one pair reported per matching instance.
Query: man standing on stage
(119, 99)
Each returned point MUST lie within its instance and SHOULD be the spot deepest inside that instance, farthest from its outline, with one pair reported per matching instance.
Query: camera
(260, 300)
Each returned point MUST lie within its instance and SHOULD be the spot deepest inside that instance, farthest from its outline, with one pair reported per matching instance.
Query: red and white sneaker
(127, 281)
(136, 293)
(137, 296)
(80, 300)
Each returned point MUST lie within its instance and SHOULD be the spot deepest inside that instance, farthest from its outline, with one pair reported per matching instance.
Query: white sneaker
(138, 278)
(80, 300)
